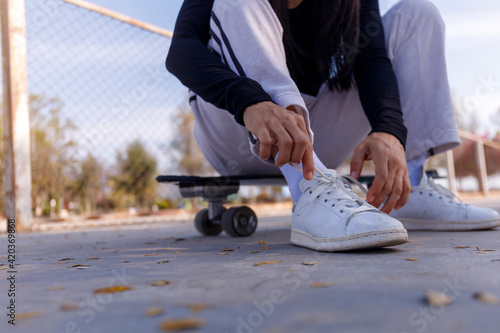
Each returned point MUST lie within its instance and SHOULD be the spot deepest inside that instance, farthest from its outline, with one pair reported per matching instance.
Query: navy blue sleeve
(202, 71)
(375, 78)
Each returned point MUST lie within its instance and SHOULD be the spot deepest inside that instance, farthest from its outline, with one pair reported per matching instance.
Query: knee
(422, 11)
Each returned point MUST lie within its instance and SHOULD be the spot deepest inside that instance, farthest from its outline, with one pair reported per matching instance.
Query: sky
(472, 46)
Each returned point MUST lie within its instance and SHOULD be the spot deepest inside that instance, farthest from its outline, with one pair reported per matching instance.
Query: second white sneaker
(330, 217)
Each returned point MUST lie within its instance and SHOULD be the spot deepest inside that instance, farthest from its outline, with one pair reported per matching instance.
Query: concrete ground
(367, 291)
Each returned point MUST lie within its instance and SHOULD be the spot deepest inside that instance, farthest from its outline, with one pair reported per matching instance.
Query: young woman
(265, 75)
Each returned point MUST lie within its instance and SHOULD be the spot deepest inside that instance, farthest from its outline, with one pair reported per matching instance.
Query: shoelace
(443, 190)
(330, 183)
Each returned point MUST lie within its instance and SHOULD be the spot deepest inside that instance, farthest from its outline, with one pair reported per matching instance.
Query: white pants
(414, 32)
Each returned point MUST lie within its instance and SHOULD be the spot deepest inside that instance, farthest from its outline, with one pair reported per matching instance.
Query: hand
(391, 174)
(276, 126)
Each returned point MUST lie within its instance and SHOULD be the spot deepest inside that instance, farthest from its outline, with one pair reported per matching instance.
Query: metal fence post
(16, 113)
(482, 176)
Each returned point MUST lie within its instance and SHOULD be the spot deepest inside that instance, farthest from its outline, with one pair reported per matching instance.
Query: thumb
(357, 162)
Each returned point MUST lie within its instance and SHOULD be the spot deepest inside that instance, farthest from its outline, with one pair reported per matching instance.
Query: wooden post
(482, 175)
(16, 114)
(450, 165)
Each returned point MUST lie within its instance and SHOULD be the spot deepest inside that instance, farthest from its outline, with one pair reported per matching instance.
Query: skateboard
(236, 221)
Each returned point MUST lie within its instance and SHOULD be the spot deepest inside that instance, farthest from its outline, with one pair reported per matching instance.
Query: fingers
(308, 163)
(266, 144)
(357, 161)
(285, 145)
(406, 192)
(397, 189)
(381, 186)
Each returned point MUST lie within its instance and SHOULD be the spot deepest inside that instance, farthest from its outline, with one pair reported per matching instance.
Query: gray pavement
(368, 291)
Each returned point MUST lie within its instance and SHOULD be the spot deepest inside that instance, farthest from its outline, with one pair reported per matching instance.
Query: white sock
(293, 176)
(415, 166)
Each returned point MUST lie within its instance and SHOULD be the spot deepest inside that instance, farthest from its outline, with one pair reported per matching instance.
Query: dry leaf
(487, 298)
(179, 240)
(321, 284)
(198, 307)
(462, 247)
(409, 241)
(54, 288)
(251, 252)
(437, 299)
(113, 289)
(116, 251)
(154, 312)
(3, 268)
(92, 258)
(163, 262)
(265, 248)
(227, 250)
(222, 253)
(161, 283)
(267, 263)
(306, 263)
(28, 315)
(182, 324)
(261, 242)
(73, 266)
(105, 248)
(149, 243)
(176, 252)
(484, 250)
(411, 259)
(67, 259)
(126, 261)
(151, 254)
(68, 307)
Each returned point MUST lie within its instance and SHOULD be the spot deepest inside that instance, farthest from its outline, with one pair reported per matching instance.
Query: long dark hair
(336, 33)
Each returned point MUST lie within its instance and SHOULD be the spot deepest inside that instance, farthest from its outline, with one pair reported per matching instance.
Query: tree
(87, 185)
(189, 158)
(50, 150)
(136, 175)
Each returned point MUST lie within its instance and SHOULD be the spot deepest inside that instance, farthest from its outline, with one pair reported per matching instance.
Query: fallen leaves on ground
(3, 268)
(198, 307)
(151, 254)
(126, 261)
(484, 250)
(163, 262)
(176, 252)
(487, 298)
(182, 324)
(105, 248)
(92, 258)
(111, 290)
(462, 247)
(267, 263)
(28, 315)
(67, 259)
(309, 263)
(222, 253)
(321, 284)
(154, 312)
(265, 248)
(54, 288)
(227, 250)
(161, 283)
(179, 240)
(411, 259)
(149, 243)
(74, 266)
(261, 242)
(251, 252)
(437, 299)
(68, 307)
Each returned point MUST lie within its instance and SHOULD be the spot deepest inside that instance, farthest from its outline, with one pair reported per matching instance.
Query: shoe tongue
(304, 183)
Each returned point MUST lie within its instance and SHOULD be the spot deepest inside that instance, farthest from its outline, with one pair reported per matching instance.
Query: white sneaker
(434, 207)
(330, 217)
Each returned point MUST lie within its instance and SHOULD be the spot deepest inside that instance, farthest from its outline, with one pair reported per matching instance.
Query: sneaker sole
(450, 226)
(368, 240)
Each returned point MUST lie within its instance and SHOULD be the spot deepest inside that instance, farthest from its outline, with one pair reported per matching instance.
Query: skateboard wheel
(205, 226)
(239, 221)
